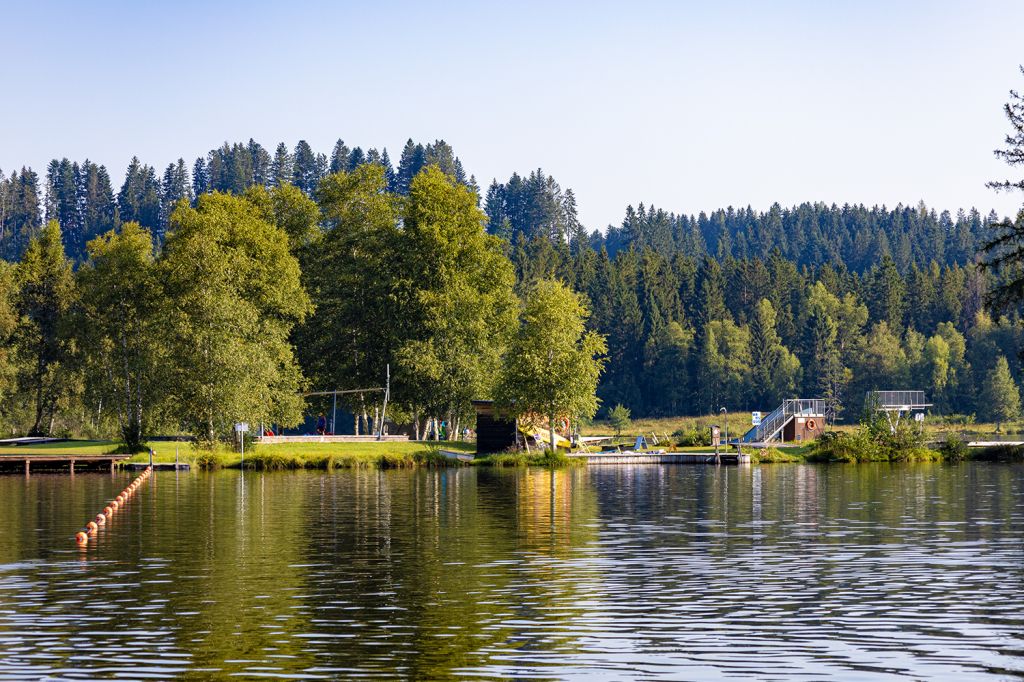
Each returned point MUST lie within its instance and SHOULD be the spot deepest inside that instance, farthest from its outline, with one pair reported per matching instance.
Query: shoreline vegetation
(871, 441)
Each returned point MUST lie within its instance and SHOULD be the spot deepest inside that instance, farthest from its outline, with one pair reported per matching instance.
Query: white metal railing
(893, 400)
(774, 422)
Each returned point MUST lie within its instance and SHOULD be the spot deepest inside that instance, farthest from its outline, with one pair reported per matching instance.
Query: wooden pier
(69, 463)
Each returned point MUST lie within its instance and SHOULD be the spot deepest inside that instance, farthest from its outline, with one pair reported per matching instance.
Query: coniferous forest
(736, 308)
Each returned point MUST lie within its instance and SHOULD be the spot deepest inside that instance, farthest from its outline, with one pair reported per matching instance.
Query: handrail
(777, 419)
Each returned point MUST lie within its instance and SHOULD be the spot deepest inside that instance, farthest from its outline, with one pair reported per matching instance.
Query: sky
(687, 106)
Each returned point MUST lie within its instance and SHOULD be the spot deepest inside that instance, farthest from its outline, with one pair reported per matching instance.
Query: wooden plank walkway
(62, 462)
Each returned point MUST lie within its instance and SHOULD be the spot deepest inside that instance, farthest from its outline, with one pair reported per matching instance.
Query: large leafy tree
(353, 333)
(122, 336)
(45, 299)
(455, 298)
(553, 363)
(237, 294)
(8, 325)
(1001, 397)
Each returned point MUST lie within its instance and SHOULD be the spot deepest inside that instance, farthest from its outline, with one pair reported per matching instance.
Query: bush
(1001, 453)
(618, 417)
(523, 459)
(774, 455)
(693, 436)
(209, 459)
(953, 448)
(874, 441)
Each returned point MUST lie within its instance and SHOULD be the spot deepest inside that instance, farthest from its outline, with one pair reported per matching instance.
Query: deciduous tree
(553, 364)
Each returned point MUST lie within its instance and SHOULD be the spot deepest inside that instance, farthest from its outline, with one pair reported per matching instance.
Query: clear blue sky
(687, 106)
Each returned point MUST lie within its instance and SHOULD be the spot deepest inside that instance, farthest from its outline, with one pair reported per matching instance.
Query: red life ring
(811, 425)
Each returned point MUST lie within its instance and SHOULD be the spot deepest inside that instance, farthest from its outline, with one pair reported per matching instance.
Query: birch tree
(236, 297)
(553, 364)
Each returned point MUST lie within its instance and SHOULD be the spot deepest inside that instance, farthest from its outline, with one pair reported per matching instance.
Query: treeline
(217, 324)
(82, 199)
(737, 308)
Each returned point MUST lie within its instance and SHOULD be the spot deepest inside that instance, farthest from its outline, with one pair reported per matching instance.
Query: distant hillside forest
(736, 308)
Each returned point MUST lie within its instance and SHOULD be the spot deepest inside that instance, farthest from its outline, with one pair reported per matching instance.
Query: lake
(647, 572)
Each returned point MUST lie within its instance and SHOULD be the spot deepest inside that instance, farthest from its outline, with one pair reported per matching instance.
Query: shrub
(693, 436)
(209, 459)
(953, 448)
(618, 417)
(774, 455)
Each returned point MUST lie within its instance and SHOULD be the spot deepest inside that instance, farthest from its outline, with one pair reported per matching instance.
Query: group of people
(443, 429)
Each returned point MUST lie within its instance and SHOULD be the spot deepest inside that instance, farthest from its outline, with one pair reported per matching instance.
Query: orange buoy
(101, 519)
(91, 527)
(81, 538)
(107, 511)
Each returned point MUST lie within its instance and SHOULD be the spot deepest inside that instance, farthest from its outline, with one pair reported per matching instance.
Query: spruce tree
(200, 178)
(339, 157)
(305, 175)
(261, 163)
(1005, 250)
(389, 172)
(826, 375)
(139, 198)
(282, 167)
(46, 295)
(173, 188)
(96, 197)
(356, 159)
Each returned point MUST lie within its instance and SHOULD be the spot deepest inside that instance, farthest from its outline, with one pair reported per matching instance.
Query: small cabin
(494, 433)
(800, 429)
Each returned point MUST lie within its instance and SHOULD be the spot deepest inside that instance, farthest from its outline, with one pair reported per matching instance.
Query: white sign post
(241, 429)
(755, 418)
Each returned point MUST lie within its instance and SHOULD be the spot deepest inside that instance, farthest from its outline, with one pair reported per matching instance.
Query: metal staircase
(774, 422)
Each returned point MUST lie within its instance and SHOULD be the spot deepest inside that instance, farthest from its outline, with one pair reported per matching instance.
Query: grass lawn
(74, 447)
(278, 456)
(739, 423)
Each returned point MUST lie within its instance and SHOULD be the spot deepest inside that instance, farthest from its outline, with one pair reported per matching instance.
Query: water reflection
(619, 572)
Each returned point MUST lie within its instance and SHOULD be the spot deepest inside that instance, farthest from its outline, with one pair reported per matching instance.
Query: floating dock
(158, 466)
(61, 463)
(661, 458)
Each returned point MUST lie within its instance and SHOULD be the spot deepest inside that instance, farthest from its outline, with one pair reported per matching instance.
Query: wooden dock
(598, 458)
(159, 466)
(69, 463)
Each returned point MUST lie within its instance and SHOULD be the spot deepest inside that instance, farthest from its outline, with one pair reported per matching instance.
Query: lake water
(648, 572)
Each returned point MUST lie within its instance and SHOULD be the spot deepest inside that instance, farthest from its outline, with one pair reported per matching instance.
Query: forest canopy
(337, 266)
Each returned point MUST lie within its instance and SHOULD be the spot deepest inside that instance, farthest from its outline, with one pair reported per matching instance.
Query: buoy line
(82, 536)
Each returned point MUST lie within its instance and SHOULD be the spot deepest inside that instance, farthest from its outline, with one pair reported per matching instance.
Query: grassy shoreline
(410, 454)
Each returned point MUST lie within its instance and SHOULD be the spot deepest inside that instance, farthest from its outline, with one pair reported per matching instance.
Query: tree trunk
(551, 433)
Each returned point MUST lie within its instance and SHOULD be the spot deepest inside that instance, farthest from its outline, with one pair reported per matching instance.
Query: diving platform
(898, 401)
(895, 404)
(795, 420)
